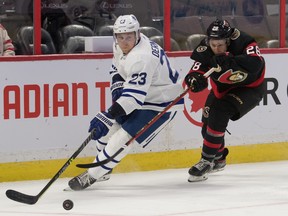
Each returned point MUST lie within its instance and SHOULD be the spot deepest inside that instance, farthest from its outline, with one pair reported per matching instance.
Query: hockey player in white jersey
(143, 83)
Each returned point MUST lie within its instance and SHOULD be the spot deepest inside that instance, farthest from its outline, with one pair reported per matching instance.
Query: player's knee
(222, 108)
(117, 141)
(220, 113)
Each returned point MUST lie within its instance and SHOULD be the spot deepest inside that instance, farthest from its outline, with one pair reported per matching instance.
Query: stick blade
(20, 197)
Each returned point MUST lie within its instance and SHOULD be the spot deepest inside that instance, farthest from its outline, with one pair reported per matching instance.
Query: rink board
(49, 104)
(144, 161)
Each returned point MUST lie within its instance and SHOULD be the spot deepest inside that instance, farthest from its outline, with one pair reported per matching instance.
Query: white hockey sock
(116, 142)
(102, 142)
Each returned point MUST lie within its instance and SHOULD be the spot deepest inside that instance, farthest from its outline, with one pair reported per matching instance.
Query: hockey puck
(68, 204)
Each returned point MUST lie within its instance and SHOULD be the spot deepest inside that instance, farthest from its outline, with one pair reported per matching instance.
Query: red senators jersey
(246, 67)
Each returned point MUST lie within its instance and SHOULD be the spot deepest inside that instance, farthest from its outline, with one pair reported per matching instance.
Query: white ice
(256, 189)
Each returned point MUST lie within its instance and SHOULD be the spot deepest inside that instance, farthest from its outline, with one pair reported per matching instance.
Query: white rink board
(58, 136)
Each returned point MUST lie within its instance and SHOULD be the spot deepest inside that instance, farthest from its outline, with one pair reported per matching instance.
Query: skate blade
(217, 170)
(103, 178)
(67, 189)
(197, 178)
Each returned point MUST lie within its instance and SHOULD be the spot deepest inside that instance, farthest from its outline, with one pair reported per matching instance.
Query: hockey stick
(29, 199)
(142, 130)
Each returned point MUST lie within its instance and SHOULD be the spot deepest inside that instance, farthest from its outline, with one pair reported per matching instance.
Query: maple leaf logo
(194, 105)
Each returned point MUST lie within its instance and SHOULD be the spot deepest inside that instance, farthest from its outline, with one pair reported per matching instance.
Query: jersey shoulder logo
(201, 48)
(235, 34)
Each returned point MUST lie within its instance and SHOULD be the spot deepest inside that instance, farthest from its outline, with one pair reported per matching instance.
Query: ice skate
(84, 180)
(219, 164)
(199, 172)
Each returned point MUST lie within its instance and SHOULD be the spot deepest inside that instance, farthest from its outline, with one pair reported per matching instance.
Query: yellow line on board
(46, 169)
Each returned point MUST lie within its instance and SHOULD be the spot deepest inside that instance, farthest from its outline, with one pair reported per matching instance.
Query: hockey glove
(222, 60)
(102, 124)
(196, 82)
(116, 90)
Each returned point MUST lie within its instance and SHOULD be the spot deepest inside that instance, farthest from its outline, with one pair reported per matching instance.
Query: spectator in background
(6, 46)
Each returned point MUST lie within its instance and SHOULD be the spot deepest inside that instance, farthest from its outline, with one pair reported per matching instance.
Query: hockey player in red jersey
(235, 90)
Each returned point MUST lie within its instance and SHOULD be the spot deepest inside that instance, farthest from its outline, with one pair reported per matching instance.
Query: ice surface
(257, 189)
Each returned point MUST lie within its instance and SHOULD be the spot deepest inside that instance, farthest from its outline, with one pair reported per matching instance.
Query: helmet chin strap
(228, 40)
(137, 34)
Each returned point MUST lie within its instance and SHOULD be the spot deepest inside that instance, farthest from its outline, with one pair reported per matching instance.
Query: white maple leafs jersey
(150, 81)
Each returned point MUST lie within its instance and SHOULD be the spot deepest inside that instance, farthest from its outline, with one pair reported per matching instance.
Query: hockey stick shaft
(29, 199)
(141, 131)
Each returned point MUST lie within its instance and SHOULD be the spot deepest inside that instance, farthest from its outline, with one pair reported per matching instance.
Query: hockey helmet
(126, 23)
(219, 29)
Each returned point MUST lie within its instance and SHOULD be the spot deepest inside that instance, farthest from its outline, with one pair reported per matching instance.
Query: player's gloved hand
(196, 82)
(116, 90)
(102, 124)
(221, 59)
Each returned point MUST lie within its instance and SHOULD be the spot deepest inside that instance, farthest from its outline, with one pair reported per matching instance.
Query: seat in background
(160, 40)
(70, 38)
(274, 25)
(75, 44)
(150, 31)
(184, 26)
(24, 40)
(274, 43)
(256, 26)
(194, 40)
(105, 30)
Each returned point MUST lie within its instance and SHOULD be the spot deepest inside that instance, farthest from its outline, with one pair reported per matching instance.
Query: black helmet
(219, 29)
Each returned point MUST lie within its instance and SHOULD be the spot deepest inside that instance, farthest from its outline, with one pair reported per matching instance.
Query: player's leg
(137, 120)
(251, 99)
(219, 115)
(84, 177)
(233, 106)
(216, 115)
(100, 145)
(220, 159)
(90, 176)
